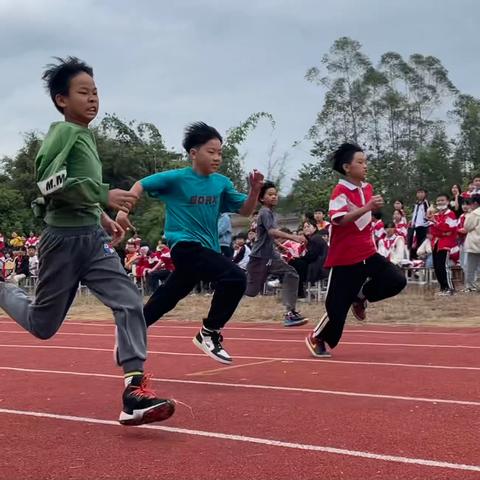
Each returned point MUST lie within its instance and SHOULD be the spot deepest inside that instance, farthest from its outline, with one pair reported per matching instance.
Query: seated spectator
(32, 240)
(399, 206)
(401, 226)
(392, 246)
(289, 249)
(17, 241)
(241, 254)
(21, 270)
(161, 267)
(424, 251)
(143, 263)
(2, 242)
(32, 261)
(310, 265)
(8, 265)
(131, 255)
(378, 226)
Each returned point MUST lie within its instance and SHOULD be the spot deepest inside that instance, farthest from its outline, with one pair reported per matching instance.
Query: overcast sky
(173, 62)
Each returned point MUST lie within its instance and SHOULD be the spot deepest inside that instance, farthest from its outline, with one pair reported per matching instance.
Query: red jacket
(444, 230)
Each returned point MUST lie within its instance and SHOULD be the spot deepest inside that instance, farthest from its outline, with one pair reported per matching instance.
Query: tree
(14, 213)
(276, 166)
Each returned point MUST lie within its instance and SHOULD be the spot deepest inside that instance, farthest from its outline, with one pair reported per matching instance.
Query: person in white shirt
(241, 254)
(392, 246)
(32, 261)
(419, 225)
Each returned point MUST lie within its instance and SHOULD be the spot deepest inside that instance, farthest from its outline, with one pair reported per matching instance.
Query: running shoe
(210, 342)
(141, 405)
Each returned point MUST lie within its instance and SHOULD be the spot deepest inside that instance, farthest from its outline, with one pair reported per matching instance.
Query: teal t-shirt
(193, 204)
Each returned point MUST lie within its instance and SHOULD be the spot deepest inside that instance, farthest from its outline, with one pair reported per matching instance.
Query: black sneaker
(294, 319)
(141, 405)
(211, 344)
(317, 347)
(359, 309)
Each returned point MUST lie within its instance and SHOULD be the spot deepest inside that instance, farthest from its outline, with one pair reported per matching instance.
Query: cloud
(174, 62)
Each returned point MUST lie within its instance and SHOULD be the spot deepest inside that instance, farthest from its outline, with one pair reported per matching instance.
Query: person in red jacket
(358, 274)
(443, 227)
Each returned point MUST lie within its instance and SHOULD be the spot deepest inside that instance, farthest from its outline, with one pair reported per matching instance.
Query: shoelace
(144, 389)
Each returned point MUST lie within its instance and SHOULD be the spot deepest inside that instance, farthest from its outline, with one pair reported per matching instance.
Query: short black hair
(390, 225)
(400, 201)
(344, 154)
(378, 214)
(475, 199)
(446, 195)
(57, 76)
(198, 134)
(311, 221)
(319, 210)
(424, 190)
(477, 175)
(32, 246)
(241, 235)
(264, 189)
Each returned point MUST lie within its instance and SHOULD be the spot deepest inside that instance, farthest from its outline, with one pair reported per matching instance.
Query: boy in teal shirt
(195, 197)
(74, 248)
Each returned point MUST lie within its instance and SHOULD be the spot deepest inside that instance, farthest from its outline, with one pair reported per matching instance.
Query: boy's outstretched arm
(375, 203)
(122, 216)
(255, 180)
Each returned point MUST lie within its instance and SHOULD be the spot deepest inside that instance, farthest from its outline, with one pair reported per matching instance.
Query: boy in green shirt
(74, 248)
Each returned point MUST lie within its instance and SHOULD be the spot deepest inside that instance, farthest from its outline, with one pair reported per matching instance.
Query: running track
(394, 403)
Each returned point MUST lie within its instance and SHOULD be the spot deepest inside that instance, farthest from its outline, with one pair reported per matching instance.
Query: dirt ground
(418, 305)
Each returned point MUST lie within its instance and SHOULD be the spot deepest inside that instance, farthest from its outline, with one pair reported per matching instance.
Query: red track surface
(394, 403)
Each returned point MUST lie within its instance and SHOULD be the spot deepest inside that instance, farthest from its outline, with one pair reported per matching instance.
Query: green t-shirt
(69, 176)
(193, 204)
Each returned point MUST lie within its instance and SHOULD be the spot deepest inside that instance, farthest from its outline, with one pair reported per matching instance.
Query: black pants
(227, 251)
(194, 263)
(442, 269)
(419, 234)
(380, 279)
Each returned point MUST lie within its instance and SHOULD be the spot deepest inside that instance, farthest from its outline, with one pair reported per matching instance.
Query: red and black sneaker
(359, 309)
(141, 405)
(317, 346)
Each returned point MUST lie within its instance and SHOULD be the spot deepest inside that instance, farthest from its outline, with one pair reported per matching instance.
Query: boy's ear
(60, 100)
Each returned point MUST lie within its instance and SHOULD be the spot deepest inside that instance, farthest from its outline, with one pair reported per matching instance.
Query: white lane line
(243, 357)
(268, 329)
(255, 386)
(255, 440)
(263, 340)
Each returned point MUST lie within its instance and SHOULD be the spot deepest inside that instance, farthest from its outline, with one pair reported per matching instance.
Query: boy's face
(308, 229)
(208, 157)
(31, 252)
(471, 187)
(270, 197)
(239, 242)
(476, 183)
(421, 195)
(442, 203)
(397, 205)
(358, 168)
(251, 236)
(81, 104)
(390, 231)
(318, 215)
(465, 207)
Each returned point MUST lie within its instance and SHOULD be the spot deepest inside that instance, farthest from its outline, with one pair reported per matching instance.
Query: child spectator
(443, 226)
(462, 233)
(17, 241)
(32, 261)
(476, 185)
(225, 235)
(398, 206)
(253, 221)
(131, 255)
(160, 268)
(32, 240)
(310, 265)
(467, 194)
(400, 222)
(322, 224)
(472, 244)
(419, 224)
(2, 242)
(378, 226)
(251, 237)
(424, 251)
(241, 255)
(457, 200)
(21, 271)
(265, 260)
(392, 246)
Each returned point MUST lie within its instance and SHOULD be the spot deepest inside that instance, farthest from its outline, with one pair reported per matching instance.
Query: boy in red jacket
(443, 227)
(358, 273)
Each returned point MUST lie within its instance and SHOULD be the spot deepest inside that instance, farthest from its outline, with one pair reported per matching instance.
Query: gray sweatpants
(68, 256)
(472, 267)
(258, 270)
